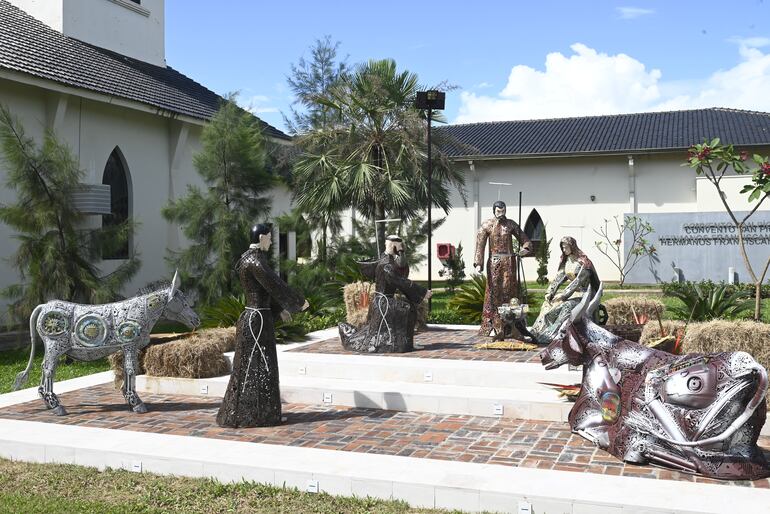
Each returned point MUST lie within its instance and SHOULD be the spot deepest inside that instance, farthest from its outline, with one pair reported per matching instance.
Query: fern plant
(707, 301)
(469, 298)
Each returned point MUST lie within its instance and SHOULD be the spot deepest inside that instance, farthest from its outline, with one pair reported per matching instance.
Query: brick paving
(439, 344)
(506, 442)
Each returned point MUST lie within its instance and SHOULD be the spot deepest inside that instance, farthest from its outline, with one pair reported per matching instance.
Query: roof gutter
(51, 85)
(614, 153)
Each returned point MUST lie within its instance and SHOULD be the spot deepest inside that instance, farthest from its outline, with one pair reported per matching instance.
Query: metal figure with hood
(391, 319)
(253, 397)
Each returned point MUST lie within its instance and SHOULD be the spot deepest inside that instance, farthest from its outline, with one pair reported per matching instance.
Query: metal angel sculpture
(253, 396)
(91, 332)
(696, 413)
(391, 319)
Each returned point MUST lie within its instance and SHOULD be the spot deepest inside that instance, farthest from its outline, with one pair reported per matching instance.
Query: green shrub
(454, 270)
(447, 317)
(670, 287)
(704, 301)
(468, 301)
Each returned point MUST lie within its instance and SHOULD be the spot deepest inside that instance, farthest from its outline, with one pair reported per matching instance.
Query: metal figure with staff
(502, 266)
(390, 328)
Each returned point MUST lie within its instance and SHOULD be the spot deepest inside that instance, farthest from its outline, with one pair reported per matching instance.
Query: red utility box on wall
(444, 251)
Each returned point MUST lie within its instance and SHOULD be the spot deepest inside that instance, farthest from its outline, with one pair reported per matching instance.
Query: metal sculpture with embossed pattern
(502, 266)
(697, 413)
(91, 332)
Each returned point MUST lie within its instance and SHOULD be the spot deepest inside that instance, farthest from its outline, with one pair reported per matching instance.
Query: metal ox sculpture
(696, 413)
(91, 332)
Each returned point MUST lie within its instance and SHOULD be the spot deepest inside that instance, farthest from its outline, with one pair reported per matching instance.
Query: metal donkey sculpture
(91, 332)
(697, 413)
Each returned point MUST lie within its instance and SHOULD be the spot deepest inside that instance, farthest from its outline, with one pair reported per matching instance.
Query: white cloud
(257, 104)
(482, 85)
(629, 13)
(587, 82)
(750, 42)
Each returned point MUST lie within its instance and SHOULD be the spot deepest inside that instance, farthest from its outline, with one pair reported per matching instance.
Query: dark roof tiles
(653, 131)
(29, 46)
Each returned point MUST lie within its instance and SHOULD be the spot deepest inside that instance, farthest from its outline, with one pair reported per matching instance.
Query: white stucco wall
(49, 12)
(93, 130)
(136, 30)
(561, 189)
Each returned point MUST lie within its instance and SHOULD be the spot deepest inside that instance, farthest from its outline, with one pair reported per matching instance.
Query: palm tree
(373, 156)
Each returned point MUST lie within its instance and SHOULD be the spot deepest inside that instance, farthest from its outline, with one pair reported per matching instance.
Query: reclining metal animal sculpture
(91, 332)
(696, 413)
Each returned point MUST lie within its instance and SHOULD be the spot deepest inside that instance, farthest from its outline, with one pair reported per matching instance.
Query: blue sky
(510, 59)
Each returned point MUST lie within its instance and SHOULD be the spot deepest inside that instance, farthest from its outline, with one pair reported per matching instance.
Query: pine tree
(216, 220)
(56, 257)
(542, 254)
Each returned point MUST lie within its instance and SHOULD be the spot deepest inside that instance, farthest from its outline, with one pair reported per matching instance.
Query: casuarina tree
(57, 257)
(216, 219)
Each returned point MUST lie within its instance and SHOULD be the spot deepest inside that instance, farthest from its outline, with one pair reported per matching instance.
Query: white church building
(575, 173)
(95, 72)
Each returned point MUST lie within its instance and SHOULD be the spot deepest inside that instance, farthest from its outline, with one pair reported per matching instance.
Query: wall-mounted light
(593, 198)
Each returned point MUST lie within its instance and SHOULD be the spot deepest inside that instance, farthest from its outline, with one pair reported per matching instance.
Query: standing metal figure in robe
(253, 397)
(391, 320)
(502, 265)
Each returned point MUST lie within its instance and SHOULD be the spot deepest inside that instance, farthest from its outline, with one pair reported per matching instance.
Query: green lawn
(54, 488)
(14, 361)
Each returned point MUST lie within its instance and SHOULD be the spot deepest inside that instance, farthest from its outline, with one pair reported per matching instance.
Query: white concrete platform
(541, 404)
(518, 375)
(420, 482)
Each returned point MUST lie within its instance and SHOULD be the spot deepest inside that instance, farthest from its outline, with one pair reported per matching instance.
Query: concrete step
(418, 371)
(543, 404)
(425, 483)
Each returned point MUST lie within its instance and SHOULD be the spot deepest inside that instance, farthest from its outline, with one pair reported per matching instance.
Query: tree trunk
(324, 242)
(758, 301)
(379, 214)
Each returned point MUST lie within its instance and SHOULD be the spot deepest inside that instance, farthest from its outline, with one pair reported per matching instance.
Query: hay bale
(651, 330)
(357, 297)
(191, 355)
(630, 310)
(729, 336)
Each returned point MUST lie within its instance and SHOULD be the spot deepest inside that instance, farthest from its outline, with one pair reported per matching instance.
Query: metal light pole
(430, 100)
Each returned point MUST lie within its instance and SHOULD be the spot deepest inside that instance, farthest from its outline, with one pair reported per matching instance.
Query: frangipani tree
(714, 160)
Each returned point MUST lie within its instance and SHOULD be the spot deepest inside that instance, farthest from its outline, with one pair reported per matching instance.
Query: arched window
(116, 176)
(535, 228)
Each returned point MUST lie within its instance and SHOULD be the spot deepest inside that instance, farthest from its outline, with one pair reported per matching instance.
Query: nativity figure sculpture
(695, 413)
(253, 396)
(390, 328)
(576, 271)
(501, 264)
(92, 332)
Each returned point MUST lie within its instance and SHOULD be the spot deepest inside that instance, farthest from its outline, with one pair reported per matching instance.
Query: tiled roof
(652, 131)
(29, 46)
